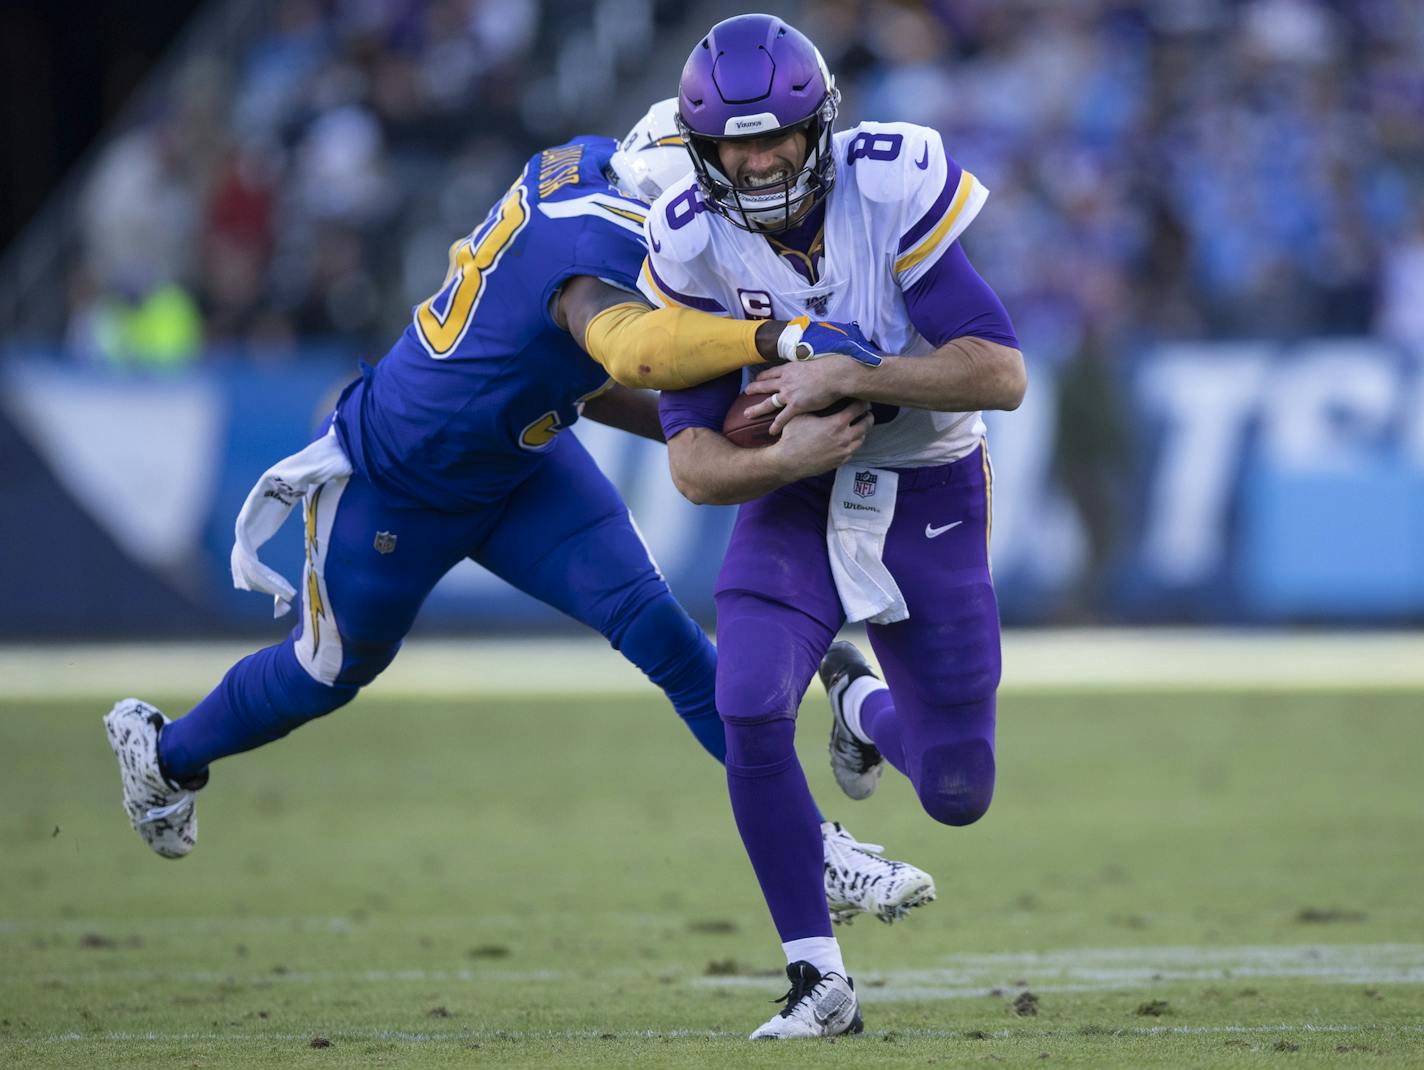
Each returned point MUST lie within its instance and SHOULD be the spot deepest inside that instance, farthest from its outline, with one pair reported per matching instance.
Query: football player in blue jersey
(451, 448)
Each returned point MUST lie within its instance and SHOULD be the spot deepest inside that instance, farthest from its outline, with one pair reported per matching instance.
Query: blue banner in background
(143, 477)
(1282, 483)
(1261, 483)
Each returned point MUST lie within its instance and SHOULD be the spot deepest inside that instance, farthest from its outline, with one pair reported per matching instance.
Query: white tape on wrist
(789, 346)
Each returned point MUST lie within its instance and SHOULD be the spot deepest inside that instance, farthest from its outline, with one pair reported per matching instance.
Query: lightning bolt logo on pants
(314, 604)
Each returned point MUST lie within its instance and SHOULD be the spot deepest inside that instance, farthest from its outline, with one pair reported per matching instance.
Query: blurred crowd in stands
(1159, 168)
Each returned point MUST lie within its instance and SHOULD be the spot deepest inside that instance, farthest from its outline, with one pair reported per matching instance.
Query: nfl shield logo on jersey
(817, 305)
(385, 542)
(865, 484)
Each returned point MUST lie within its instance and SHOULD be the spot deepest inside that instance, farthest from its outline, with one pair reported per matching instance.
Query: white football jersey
(897, 205)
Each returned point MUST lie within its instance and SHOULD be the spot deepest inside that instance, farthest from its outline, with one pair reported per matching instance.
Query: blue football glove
(806, 339)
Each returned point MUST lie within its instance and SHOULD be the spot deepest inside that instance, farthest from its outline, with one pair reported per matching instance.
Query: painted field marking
(964, 976)
(488, 1035)
(336, 923)
(1034, 661)
(971, 975)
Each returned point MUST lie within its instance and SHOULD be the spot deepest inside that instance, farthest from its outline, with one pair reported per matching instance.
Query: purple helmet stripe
(936, 210)
(701, 304)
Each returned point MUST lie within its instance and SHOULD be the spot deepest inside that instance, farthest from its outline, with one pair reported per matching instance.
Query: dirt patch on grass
(1026, 1006)
(1129, 921)
(489, 951)
(714, 926)
(1327, 915)
(100, 942)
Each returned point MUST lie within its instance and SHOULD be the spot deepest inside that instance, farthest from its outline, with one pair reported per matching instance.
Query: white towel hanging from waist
(266, 508)
(862, 508)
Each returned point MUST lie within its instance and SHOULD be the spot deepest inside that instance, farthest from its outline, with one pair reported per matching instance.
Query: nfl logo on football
(865, 484)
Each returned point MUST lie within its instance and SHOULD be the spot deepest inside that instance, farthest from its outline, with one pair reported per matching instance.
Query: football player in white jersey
(786, 220)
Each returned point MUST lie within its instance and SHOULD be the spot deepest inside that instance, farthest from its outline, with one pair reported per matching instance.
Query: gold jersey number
(540, 434)
(442, 324)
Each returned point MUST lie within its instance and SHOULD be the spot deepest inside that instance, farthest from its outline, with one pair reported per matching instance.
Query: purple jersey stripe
(702, 304)
(937, 210)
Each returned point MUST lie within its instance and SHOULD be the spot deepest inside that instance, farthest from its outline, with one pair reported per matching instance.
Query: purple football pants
(778, 612)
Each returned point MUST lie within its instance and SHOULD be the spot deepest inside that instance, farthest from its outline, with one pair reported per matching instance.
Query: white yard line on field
(342, 923)
(960, 977)
(319, 977)
(1098, 969)
(1156, 660)
(495, 1035)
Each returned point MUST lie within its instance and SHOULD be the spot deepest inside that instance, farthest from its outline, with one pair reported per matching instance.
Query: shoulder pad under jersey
(890, 161)
(572, 185)
(679, 225)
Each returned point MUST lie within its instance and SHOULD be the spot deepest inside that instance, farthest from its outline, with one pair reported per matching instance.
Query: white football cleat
(859, 880)
(159, 810)
(816, 1006)
(857, 765)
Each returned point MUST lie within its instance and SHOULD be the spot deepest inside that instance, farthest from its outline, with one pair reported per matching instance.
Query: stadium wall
(1251, 483)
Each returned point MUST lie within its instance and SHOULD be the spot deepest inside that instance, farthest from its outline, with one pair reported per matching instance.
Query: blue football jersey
(483, 380)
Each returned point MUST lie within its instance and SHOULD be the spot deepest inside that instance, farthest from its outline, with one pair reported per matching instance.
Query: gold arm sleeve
(669, 348)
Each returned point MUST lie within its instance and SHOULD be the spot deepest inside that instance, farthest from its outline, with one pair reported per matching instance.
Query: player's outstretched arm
(663, 348)
(634, 411)
(963, 375)
(709, 470)
(977, 364)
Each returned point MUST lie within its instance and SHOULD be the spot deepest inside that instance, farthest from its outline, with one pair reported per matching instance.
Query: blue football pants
(564, 537)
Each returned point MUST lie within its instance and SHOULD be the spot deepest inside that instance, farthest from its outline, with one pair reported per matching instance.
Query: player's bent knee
(362, 662)
(759, 747)
(751, 697)
(657, 635)
(630, 591)
(956, 781)
(278, 689)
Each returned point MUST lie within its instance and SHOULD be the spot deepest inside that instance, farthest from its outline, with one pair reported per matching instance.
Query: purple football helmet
(754, 76)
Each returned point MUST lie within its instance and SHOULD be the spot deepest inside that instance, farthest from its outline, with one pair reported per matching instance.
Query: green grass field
(1223, 880)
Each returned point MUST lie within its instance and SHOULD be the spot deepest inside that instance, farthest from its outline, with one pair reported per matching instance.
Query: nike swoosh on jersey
(657, 245)
(923, 163)
(930, 532)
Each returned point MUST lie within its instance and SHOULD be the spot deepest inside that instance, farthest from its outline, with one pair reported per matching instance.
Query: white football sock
(822, 952)
(856, 692)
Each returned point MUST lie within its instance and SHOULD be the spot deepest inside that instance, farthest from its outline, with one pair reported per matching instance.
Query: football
(751, 432)
(748, 432)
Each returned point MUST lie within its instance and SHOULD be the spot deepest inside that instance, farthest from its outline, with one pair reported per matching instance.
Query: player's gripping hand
(806, 339)
(805, 387)
(815, 444)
